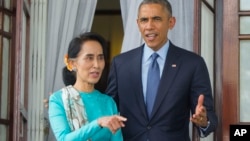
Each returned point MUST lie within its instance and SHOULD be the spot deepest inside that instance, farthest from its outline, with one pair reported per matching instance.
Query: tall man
(157, 84)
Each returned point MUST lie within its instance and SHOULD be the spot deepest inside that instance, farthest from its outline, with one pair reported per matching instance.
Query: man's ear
(137, 21)
(172, 22)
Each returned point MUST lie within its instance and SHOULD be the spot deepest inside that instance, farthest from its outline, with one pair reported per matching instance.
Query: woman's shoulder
(108, 102)
(56, 95)
(100, 94)
(104, 96)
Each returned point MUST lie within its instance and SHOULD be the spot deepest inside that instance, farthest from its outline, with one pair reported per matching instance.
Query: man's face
(154, 22)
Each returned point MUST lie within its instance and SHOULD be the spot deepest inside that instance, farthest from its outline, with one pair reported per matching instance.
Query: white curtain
(132, 37)
(181, 35)
(35, 122)
(66, 19)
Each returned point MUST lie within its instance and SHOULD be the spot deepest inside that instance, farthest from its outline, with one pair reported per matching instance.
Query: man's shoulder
(129, 54)
(183, 52)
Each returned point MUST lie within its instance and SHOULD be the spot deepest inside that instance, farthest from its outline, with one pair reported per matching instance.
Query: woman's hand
(112, 122)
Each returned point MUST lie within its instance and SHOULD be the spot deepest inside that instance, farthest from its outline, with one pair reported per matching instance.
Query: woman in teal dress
(79, 112)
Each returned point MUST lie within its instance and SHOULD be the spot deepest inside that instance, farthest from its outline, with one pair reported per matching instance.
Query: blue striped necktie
(152, 83)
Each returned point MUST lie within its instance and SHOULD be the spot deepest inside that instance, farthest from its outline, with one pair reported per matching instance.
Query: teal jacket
(97, 105)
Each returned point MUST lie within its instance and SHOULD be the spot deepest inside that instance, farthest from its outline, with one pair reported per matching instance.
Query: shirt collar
(162, 52)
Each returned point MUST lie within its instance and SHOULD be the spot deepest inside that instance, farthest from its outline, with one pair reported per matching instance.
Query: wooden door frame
(218, 66)
(197, 49)
(16, 71)
(230, 67)
(226, 63)
(11, 35)
(227, 67)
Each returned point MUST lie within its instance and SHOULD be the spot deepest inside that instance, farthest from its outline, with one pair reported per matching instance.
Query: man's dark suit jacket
(184, 78)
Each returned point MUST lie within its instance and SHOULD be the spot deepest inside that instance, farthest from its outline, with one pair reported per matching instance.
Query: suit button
(148, 127)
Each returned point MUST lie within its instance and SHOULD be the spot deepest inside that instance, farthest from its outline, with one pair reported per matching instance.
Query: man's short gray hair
(164, 3)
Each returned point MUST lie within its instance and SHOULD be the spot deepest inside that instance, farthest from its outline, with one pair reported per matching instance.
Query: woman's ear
(71, 65)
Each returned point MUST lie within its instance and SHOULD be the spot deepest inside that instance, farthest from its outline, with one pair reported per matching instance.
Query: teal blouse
(97, 105)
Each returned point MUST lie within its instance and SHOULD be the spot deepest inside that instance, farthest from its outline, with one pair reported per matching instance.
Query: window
(7, 14)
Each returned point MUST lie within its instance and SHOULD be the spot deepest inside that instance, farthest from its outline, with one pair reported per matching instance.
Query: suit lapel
(171, 67)
(137, 83)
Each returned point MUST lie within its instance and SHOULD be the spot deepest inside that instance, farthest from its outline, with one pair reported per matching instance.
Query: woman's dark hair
(75, 47)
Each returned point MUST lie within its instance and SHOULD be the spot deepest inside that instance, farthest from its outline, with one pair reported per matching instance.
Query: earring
(74, 69)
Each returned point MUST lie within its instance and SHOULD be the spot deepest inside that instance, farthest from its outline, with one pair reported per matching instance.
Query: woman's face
(89, 62)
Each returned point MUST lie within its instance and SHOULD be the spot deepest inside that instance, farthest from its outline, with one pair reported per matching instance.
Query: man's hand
(112, 122)
(200, 116)
(46, 102)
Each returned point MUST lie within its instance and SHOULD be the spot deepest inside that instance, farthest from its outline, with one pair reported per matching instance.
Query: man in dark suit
(183, 84)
